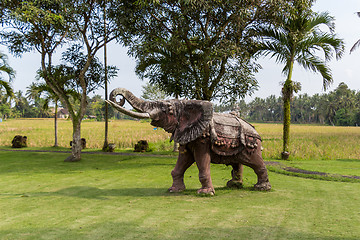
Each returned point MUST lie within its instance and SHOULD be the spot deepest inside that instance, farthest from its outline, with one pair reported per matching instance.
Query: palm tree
(300, 39)
(357, 44)
(5, 68)
(35, 90)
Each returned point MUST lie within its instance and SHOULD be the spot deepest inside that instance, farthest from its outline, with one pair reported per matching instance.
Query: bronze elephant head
(185, 119)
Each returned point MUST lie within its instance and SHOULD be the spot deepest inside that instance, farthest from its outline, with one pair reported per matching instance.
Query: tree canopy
(6, 69)
(46, 26)
(300, 39)
(202, 49)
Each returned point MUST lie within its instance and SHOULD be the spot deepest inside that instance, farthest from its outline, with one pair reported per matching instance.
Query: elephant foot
(265, 186)
(206, 191)
(175, 189)
(234, 184)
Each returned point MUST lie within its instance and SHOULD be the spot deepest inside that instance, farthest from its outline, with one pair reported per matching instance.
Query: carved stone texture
(232, 135)
(19, 141)
(141, 146)
(83, 143)
(111, 147)
(285, 155)
(204, 137)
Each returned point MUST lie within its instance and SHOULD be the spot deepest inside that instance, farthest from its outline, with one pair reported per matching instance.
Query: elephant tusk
(128, 112)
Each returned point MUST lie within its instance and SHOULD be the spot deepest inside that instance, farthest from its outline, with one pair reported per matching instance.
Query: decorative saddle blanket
(233, 134)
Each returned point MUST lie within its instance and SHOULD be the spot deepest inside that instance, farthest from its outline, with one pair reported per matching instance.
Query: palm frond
(72, 93)
(275, 44)
(7, 87)
(322, 18)
(280, 34)
(45, 104)
(316, 64)
(277, 51)
(327, 43)
(355, 46)
(5, 68)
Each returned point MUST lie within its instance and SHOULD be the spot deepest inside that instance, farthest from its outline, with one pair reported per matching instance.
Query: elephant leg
(203, 159)
(236, 174)
(253, 158)
(185, 160)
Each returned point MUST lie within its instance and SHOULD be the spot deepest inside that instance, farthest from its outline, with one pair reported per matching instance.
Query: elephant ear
(193, 118)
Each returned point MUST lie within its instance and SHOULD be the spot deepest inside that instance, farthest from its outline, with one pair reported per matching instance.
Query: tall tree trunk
(76, 142)
(106, 143)
(287, 94)
(56, 125)
(286, 125)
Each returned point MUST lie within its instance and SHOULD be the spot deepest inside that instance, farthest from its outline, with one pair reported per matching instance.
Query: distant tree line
(26, 107)
(340, 107)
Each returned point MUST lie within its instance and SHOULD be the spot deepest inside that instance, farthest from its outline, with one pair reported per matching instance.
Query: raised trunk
(76, 143)
(135, 102)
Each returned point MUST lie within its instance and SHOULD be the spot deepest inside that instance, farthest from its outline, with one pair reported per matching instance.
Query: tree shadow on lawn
(17, 162)
(103, 194)
(95, 193)
(348, 160)
(135, 230)
(98, 193)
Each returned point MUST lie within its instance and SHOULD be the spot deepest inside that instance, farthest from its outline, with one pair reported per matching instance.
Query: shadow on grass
(136, 230)
(98, 193)
(95, 193)
(29, 162)
(348, 160)
(104, 194)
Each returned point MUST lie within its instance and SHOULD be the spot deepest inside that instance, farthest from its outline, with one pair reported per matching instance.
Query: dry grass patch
(40, 132)
(306, 141)
(312, 142)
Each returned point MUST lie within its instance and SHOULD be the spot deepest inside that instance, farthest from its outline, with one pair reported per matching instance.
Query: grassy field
(40, 132)
(311, 142)
(124, 197)
(308, 142)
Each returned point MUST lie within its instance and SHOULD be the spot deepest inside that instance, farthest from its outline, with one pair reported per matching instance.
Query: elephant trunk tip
(116, 92)
(128, 112)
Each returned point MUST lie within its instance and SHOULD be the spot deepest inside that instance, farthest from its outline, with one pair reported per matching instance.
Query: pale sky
(345, 70)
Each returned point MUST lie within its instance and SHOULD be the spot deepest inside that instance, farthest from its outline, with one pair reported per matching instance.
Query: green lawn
(124, 197)
(339, 166)
(307, 142)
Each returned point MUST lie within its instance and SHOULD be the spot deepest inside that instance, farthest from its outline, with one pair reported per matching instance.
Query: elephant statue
(204, 137)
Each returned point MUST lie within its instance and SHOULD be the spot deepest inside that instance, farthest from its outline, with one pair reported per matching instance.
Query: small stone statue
(19, 141)
(141, 146)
